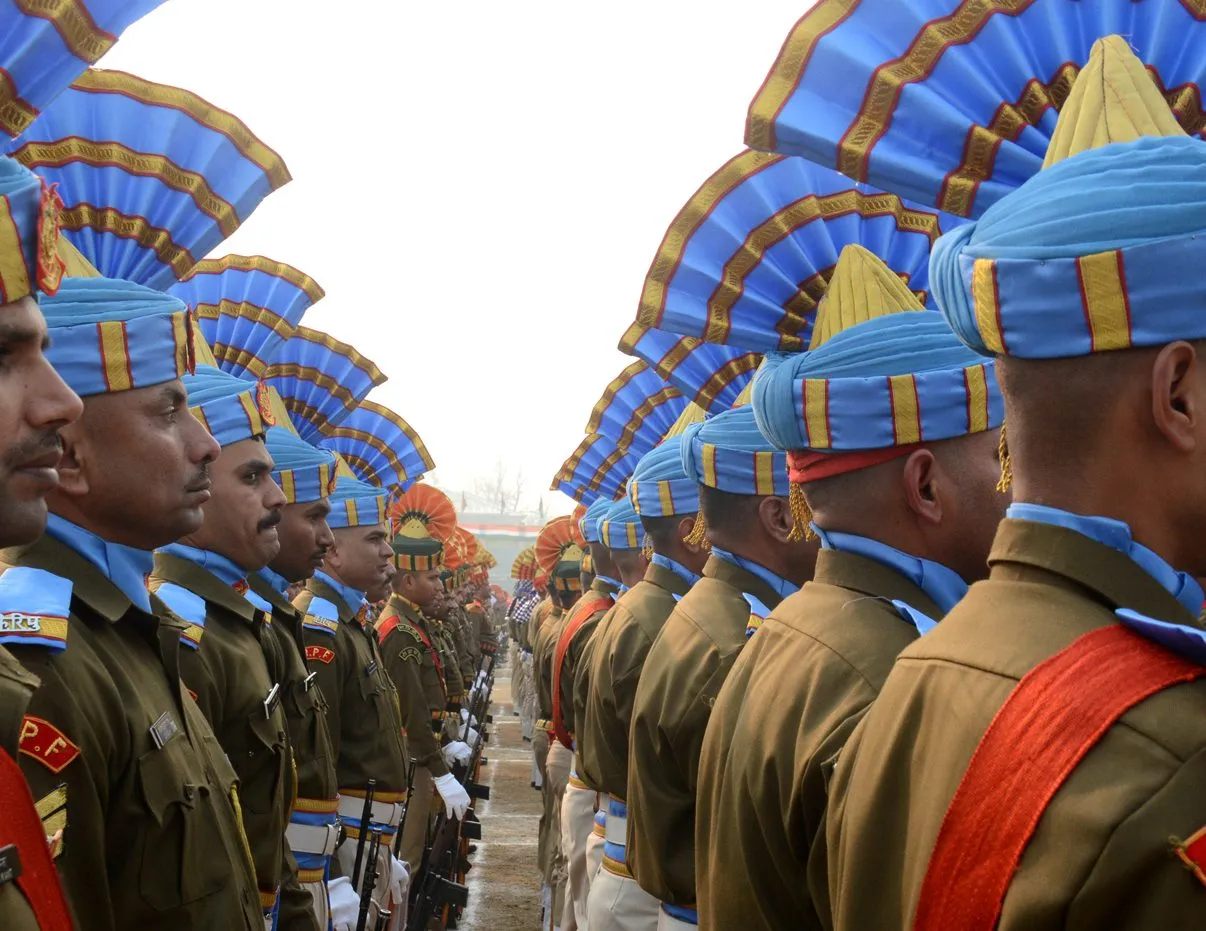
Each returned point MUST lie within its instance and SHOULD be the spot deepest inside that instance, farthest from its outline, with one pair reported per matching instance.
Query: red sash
(1056, 714)
(585, 609)
(22, 828)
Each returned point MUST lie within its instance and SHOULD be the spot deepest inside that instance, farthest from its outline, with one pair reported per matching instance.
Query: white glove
(470, 737)
(345, 904)
(399, 881)
(457, 752)
(456, 799)
(466, 716)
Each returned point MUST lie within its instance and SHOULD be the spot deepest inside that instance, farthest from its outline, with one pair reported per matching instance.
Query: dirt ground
(504, 884)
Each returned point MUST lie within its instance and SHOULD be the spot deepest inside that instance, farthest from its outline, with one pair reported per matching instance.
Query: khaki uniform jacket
(411, 664)
(575, 688)
(363, 715)
(131, 771)
(618, 650)
(1102, 855)
(16, 687)
(795, 693)
(442, 639)
(232, 676)
(542, 660)
(683, 673)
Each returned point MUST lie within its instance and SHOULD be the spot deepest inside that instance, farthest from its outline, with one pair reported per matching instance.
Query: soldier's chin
(21, 521)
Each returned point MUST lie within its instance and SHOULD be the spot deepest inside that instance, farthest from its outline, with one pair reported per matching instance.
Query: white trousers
(577, 824)
(617, 903)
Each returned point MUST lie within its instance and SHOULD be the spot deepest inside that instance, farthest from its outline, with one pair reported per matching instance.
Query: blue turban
(589, 524)
(29, 234)
(1101, 251)
(304, 472)
(659, 487)
(232, 409)
(728, 453)
(111, 335)
(356, 504)
(621, 528)
(890, 381)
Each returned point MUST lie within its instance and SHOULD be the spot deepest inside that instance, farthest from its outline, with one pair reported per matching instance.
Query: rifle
(410, 787)
(366, 820)
(436, 890)
(371, 872)
(383, 918)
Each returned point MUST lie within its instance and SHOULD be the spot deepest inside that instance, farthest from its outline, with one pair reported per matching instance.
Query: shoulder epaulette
(34, 606)
(321, 615)
(187, 606)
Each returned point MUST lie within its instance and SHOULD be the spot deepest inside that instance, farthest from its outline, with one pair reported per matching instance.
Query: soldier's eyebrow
(174, 395)
(18, 334)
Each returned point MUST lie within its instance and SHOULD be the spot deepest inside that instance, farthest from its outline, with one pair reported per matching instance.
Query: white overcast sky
(479, 186)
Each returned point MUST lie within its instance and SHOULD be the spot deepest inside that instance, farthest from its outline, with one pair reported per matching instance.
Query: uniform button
(189, 792)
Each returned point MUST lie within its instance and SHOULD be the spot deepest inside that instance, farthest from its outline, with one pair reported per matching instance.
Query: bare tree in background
(500, 489)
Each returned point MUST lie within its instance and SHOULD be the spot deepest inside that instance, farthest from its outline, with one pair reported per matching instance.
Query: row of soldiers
(850, 655)
(232, 671)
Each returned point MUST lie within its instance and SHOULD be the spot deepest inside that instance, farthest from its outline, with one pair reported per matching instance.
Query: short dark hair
(663, 531)
(727, 511)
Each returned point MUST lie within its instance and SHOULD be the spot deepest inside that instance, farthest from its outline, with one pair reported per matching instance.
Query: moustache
(33, 448)
(269, 522)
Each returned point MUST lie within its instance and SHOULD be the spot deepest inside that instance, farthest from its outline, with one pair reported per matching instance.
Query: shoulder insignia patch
(320, 654)
(411, 654)
(34, 605)
(191, 636)
(47, 744)
(1192, 853)
(412, 630)
(322, 615)
(181, 602)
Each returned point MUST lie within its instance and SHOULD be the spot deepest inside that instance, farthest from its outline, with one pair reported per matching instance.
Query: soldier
(306, 477)
(917, 519)
(362, 704)
(34, 405)
(420, 518)
(559, 553)
(1057, 710)
(756, 562)
(119, 755)
(620, 535)
(667, 502)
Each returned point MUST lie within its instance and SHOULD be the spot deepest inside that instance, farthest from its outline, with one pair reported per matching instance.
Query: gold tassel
(699, 533)
(801, 515)
(1006, 480)
(647, 548)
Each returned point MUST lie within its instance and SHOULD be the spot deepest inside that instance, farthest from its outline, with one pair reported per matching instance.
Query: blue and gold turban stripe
(898, 94)
(659, 487)
(321, 379)
(597, 469)
(380, 446)
(706, 374)
(303, 472)
(588, 526)
(356, 504)
(1096, 253)
(152, 177)
(44, 47)
(231, 409)
(29, 230)
(109, 335)
(748, 258)
(728, 453)
(246, 307)
(621, 527)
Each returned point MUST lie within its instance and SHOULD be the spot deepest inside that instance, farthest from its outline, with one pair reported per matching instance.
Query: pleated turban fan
(1103, 248)
(560, 548)
(422, 520)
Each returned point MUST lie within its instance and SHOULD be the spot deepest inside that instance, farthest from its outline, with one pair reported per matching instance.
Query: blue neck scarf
(677, 568)
(352, 597)
(216, 564)
(608, 580)
(124, 566)
(944, 586)
(278, 582)
(758, 610)
(1117, 536)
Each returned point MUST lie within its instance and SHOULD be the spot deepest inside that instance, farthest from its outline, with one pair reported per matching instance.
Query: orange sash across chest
(585, 608)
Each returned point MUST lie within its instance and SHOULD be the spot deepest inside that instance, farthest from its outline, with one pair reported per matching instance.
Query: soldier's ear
(919, 479)
(73, 477)
(1178, 382)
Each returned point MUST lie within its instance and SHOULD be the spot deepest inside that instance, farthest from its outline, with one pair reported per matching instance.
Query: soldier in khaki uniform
(1069, 774)
(754, 565)
(363, 713)
(667, 502)
(121, 757)
(916, 520)
(421, 519)
(35, 404)
(231, 666)
(306, 476)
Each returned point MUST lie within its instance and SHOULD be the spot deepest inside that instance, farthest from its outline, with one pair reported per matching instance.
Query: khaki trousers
(418, 818)
(557, 770)
(617, 903)
(577, 826)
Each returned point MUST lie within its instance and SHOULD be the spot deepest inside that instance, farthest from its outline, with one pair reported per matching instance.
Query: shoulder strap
(22, 827)
(588, 606)
(1054, 716)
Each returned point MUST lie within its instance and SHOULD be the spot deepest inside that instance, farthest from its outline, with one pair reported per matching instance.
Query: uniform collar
(124, 566)
(779, 585)
(682, 577)
(944, 586)
(209, 575)
(1117, 536)
(277, 582)
(606, 585)
(352, 598)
